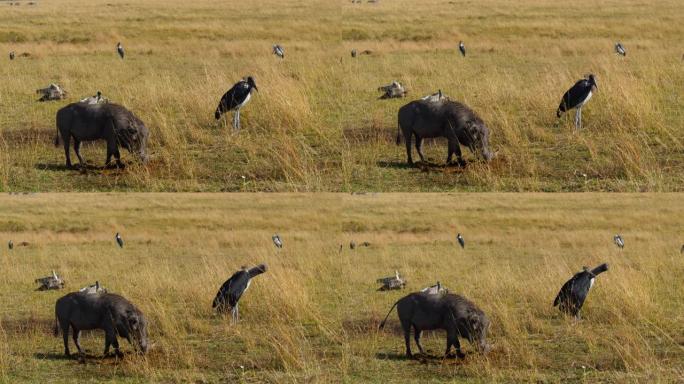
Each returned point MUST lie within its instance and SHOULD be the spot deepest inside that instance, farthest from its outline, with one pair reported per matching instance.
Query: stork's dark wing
(232, 289)
(575, 95)
(564, 292)
(580, 288)
(233, 97)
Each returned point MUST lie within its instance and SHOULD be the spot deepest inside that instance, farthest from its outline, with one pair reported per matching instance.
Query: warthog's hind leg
(419, 147)
(416, 335)
(67, 142)
(409, 156)
(77, 149)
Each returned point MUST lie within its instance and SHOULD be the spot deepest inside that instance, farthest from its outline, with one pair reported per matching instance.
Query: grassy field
(316, 124)
(313, 316)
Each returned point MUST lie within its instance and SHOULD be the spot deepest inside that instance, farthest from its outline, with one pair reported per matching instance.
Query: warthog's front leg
(455, 148)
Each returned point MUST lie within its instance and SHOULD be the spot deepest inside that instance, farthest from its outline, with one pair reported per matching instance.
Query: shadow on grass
(53, 356)
(424, 166)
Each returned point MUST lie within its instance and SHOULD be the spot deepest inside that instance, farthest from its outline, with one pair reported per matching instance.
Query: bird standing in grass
(461, 47)
(279, 51)
(574, 292)
(10, 245)
(620, 49)
(232, 290)
(236, 98)
(576, 97)
(277, 241)
(119, 240)
(617, 239)
(120, 50)
(12, 55)
(460, 240)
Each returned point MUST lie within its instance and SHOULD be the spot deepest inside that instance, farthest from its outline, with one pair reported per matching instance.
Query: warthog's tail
(398, 133)
(382, 324)
(57, 137)
(55, 329)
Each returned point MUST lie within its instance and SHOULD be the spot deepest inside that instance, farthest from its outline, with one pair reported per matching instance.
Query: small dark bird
(10, 245)
(682, 250)
(576, 97)
(230, 292)
(461, 47)
(279, 51)
(353, 52)
(620, 49)
(365, 244)
(235, 99)
(12, 55)
(460, 240)
(277, 241)
(617, 239)
(119, 240)
(120, 50)
(352, 244)
(573, 293)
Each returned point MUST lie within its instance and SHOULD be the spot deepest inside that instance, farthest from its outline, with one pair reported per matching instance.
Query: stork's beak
(255, 87)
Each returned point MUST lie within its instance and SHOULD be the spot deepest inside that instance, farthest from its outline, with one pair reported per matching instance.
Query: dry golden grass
(316, 124)
(313, 316)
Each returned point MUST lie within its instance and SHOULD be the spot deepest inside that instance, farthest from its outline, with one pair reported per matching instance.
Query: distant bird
(461, 47)
(620, 49)
(460, 240)
(682, 250)
(50, 282)
(435, 289)
(11, 55)
(392, 90)
(617, 239)
(365, 244)
(279, 51)
(574, 292)
(576, 97)
(10, 245)
(277, 241)
(51, 92)
(392, 282)
(352, 244)
(353, 52)
(119, 240)
(230, 292)
(120, 50)
(235, 99)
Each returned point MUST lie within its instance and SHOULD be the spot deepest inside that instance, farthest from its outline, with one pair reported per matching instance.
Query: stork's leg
(235, 121)
(578, 113)
(238, 120)
(580, 119)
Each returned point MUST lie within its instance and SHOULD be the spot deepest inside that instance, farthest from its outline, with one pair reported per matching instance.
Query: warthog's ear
(132, 320)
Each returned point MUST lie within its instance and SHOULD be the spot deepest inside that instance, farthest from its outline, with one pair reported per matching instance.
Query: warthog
(111, 122)
(453, 313)
(443, 118)
(111, 313)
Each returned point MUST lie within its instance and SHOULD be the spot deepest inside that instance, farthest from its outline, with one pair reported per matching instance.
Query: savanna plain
(314, 315)
(316, 123)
